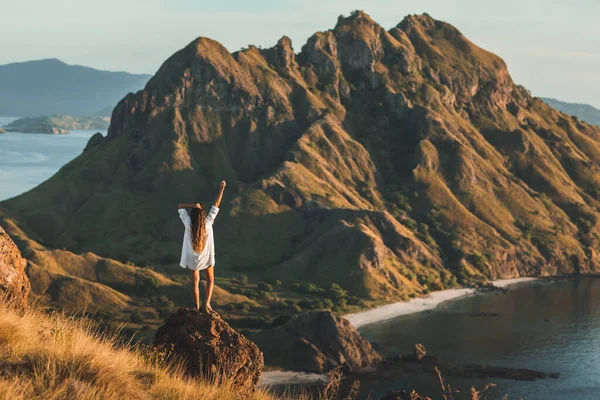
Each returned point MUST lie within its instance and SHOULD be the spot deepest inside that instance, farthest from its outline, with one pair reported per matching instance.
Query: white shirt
(189, 258)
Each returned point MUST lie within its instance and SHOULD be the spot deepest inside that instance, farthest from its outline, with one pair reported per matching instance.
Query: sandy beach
(383, 313)
(429, 302)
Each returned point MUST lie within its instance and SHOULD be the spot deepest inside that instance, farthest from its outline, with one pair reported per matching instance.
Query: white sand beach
(429, 302)
(379, 314)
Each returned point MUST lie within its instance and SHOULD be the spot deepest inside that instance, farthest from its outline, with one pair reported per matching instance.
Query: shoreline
(429, 302)
(380, 314)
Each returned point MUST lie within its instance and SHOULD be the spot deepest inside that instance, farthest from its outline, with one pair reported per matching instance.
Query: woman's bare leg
(196, 282)
(210, 284)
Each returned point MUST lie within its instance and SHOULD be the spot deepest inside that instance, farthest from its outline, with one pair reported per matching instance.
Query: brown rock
(420, 352)
(209, 347)
(14, 283)
(317, 341)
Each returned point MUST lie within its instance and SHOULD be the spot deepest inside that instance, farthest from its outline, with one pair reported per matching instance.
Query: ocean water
(545, 326)
(28, 159)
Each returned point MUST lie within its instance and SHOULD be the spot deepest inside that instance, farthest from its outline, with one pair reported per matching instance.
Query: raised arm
(220, 195)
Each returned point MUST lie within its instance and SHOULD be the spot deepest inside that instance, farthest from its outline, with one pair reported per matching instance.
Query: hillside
(46, 87)
(377, 164)
(56, 356)
(585, 112)
(57, 124)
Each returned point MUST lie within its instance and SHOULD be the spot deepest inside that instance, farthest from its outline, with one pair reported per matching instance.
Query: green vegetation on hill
(58, 124)
(375, 165)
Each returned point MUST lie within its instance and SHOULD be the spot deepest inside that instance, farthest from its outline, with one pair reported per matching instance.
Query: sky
(552, 47)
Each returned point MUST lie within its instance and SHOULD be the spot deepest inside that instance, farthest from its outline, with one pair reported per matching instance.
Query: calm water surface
(546, 326)
(28, 159)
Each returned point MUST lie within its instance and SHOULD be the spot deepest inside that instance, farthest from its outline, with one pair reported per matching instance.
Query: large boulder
(14, 284)
(317, 341)
(210, 348)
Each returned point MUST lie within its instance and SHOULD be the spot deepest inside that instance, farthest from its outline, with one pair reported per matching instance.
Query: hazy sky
(552, 47)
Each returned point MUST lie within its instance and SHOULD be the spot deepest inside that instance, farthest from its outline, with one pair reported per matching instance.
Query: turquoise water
(28, 159)
(546, 326)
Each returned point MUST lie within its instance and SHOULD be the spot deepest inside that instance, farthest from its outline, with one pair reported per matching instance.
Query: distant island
(47, 87)
(584, 112)
(57, 124)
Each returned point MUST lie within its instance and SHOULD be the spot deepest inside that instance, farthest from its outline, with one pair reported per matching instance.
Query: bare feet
(206, 308)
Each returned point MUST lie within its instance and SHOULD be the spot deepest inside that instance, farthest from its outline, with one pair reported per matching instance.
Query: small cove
(551, 326)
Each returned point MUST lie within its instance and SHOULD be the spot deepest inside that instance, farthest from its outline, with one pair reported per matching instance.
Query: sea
(549, 326)
(28, 159)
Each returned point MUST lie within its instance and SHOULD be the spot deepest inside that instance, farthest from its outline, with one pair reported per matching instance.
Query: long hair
(198, 217)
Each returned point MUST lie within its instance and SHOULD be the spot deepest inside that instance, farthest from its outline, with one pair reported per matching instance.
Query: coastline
(431, 301)
(384, 313)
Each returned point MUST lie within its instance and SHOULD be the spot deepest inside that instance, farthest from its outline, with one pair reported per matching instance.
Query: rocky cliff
(391, 162)
(14, 284)
(316, 341)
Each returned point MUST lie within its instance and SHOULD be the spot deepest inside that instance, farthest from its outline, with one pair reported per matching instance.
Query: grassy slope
(54, 356)
(388, 162)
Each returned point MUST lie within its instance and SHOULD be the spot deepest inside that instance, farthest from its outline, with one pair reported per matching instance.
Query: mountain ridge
(50, 86)
(585, 112)
(388, 162)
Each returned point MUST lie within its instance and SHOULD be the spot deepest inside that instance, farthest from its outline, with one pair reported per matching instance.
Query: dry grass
(448, 392)
(58, 357)
(55, 356)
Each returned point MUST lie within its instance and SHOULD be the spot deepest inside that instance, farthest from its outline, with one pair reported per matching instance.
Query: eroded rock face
(13, 280)
(211, 348)
(317, 341)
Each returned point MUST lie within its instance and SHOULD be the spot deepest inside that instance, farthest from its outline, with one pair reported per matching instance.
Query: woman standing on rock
(198, 251)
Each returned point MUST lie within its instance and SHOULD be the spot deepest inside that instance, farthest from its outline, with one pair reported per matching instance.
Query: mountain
(585, 112)
(372, 166)
(45, 87)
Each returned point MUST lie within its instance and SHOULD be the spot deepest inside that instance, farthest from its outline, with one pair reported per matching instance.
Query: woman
(198, 251)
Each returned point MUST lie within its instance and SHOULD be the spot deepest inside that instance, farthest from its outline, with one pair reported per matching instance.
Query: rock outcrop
(14, 284)
(94, 141)
(210, 348)
(316, 341)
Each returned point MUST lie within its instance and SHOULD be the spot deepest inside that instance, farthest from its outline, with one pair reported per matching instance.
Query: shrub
(295, 309)
(356, 301)
(242, 279)
(328, 304)
(337, 292)
(265, 287)
(136, 317)
(148, 283)
(307, 288)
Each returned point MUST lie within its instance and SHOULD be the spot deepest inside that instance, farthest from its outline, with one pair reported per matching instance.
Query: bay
(546, 326)
(28, 159)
